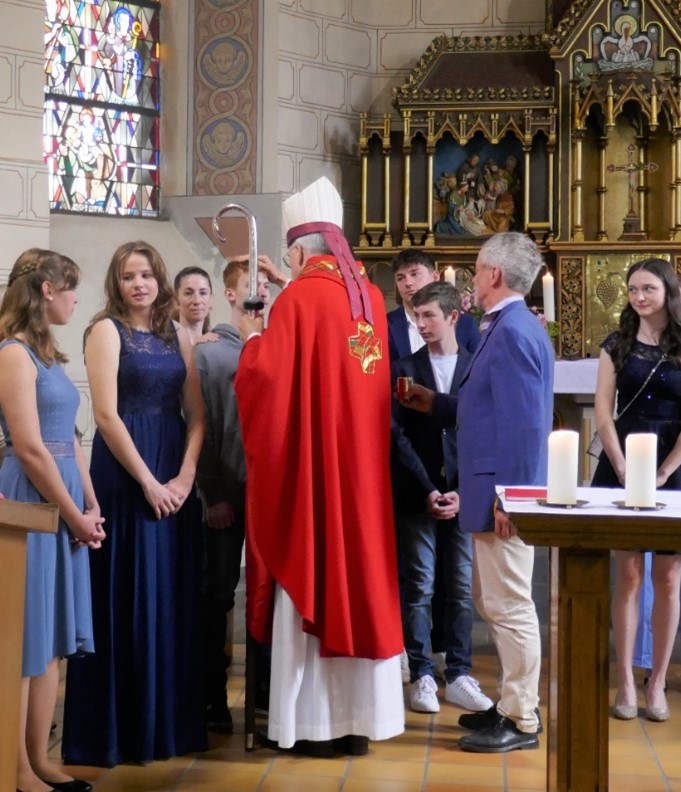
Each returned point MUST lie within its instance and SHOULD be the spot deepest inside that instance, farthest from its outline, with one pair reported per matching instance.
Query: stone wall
(338, 58)
(24, 215)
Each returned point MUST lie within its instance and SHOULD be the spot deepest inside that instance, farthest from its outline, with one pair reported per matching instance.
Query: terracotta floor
(644, 757)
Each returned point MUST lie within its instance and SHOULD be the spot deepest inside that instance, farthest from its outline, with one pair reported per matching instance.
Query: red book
(524, 493)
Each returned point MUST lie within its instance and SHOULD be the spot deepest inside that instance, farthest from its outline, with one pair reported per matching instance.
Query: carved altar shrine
(573, 136)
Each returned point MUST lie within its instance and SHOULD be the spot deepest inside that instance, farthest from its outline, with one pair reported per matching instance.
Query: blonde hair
(23, 306)
(115, 307)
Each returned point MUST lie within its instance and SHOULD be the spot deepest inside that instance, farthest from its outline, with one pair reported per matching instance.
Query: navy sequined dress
(139, 698)
(657, 409)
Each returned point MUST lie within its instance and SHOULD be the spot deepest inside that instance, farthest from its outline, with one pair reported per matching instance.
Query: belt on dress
(58, 448)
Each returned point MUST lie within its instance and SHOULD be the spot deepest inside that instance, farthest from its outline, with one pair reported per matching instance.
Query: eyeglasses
(286, 258)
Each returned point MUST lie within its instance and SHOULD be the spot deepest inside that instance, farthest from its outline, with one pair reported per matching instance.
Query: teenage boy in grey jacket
(221, 477)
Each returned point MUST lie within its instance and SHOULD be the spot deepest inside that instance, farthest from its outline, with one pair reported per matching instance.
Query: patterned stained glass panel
(102, 160)
(102, 95)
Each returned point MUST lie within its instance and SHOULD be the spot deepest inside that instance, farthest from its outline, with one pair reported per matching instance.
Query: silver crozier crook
(253, 302)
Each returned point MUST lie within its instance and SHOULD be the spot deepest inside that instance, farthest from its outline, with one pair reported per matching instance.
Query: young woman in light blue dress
(38, 405)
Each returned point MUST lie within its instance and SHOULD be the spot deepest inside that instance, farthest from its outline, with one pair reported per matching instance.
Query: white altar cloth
(575, 376)
(599, 501)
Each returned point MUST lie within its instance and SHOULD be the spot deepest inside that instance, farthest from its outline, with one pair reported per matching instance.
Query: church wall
(225, 97)
(177, 68)
(338, 58)
(24, 215)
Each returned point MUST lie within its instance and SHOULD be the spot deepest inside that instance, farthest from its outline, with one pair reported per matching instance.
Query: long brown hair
(23, 306)
(115, 307)
(670, 340)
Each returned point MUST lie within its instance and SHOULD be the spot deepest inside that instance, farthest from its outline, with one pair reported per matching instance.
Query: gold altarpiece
(589, 116)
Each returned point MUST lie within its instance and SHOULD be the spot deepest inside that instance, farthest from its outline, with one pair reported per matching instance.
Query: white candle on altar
(549, 298)
(563, 462)
(641, 470)
(450, 275)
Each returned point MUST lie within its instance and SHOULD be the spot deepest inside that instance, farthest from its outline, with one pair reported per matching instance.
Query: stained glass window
(102, 91)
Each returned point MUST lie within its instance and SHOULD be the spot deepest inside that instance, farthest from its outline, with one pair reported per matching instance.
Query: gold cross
(366, 347)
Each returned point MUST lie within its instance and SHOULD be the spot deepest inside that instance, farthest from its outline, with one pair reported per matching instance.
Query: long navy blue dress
(139, 698)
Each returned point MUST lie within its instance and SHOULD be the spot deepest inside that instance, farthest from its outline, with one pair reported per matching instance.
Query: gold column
(406, 241)
(552, 173)
(672, 190)
(601, 234)
(642, 187)
(430, 148)
(677, 179)
(577, 234)
(526, 196)
(387, 237)
(364, 239)
(551, 219)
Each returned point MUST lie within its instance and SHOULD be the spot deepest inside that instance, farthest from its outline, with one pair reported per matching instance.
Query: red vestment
(314, 403)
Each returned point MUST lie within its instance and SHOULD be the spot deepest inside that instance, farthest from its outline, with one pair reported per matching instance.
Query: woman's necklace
(648, 338)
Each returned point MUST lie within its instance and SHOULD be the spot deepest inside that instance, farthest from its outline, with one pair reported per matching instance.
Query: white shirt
(415, 340)
(487, 318)
(443, 370)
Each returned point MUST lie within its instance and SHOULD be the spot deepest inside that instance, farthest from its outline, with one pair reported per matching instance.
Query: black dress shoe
(352, 745)
(69, 786)
(483, 720)
(500, 737)
(319, 749)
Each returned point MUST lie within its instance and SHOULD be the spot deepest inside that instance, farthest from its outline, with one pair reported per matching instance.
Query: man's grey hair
(517, 256)
(313, 244)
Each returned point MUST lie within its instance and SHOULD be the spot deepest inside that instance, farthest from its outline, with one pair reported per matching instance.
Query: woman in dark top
(647, 345)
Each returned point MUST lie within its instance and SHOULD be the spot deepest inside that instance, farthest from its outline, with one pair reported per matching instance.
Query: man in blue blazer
(413, 269)
(504, 416)
(431, 541)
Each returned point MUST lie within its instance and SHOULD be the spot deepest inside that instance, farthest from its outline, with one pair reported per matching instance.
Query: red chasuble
(314, 402)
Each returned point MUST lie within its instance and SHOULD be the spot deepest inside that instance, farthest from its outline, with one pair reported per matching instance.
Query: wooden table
(579, 625)
(16, 520)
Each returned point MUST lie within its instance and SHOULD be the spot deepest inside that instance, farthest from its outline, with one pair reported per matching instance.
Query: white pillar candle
(563, 462)
(450, 275)
(641, 470)
(549, 298)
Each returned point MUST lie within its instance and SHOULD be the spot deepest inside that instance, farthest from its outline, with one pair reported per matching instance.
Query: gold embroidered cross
(366, 347)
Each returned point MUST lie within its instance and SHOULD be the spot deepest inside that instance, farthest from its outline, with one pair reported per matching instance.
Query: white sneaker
(404, 667)
(423, 695)
(440, 660)
(465, 692)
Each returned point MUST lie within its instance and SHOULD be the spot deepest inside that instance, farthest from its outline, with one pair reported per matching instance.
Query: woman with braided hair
(38, 405)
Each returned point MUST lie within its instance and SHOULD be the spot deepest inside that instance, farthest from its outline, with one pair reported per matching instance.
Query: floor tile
(396, 771)
(302, 765)
(300, 783)
(465, 774)
(636, 784)
(526, 778)
(426, 758)
(386, 785)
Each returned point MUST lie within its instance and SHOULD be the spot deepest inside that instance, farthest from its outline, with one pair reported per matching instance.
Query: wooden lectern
(16, 520)
(579, 656)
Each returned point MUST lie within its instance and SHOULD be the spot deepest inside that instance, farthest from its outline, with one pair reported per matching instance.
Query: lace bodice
(661, 398)
(151, 373)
